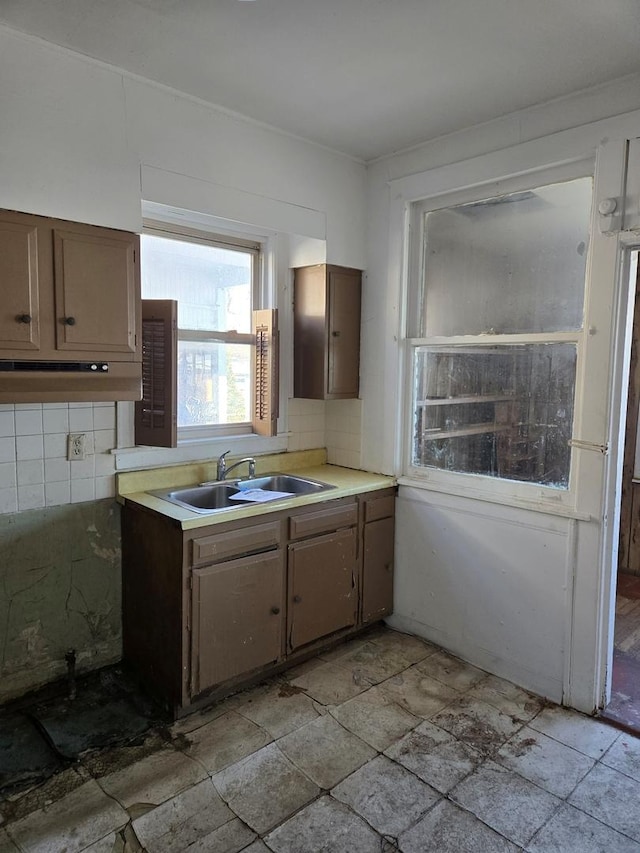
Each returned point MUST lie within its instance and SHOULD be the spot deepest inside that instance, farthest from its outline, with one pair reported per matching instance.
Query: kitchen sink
(285, 483)
(208, 498)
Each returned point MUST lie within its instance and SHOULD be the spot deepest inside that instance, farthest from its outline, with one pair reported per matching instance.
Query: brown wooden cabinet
(377, 556)
(326, 306)
(210, 609)
(323, 574)
(70, 293)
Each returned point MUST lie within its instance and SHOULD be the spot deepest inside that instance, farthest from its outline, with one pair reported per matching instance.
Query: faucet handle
(221, 467)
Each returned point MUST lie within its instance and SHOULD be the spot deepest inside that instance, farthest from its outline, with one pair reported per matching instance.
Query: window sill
(192, 450)
(546, 506)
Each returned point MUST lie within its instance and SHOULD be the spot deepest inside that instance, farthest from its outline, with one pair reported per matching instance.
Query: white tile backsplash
(7, 423)
(29, 422)
(29, 447)
(30, 497)
(34, 470)
(30, 472)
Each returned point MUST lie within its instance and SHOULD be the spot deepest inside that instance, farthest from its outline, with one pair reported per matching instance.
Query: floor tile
(326, 826)
(153, 779)
(624, 755)
(200, 718)
(6, 844)
(375, 718)
(552, 765)
(265, 788)
(343, 649)
(370, 662)
(607, 795)
(506, 802)
(280, 710)
(330, 684)
(192, 815)
(573, 831)
(231, 837)
(573, 729)
(449, 829)
(451, 670)
(435, 756)
(225, 740)
(412, 648)
(111, 843)
(478, 724)
(325, 751)
(417, 693)
(71, 824)
(506, 697)
(386, 795)
(257, 847)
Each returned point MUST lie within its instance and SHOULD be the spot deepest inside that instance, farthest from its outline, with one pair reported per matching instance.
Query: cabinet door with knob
(377, 558)
(69, 291)
(237, 613)
(323, 593)
(326, 357)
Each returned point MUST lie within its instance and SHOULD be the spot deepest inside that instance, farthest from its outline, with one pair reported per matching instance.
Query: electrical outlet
(76, 446)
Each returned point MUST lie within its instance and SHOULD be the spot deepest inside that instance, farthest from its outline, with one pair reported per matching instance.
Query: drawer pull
(297, 599)
(275, 610)
(69, 321)
(23, 318)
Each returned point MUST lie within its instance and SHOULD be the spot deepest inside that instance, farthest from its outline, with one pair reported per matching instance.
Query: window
(214, 285)
(495, 332)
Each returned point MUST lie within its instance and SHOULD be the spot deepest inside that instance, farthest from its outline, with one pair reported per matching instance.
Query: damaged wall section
(60, 589)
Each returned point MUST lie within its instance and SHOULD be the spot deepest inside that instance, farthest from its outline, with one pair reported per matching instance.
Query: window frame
(532, 495)
(257, 248)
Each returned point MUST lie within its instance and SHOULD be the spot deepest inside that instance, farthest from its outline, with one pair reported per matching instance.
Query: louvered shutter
(265, 372)
(156, 413)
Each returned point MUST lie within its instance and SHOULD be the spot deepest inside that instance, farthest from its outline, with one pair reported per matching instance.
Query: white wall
(83, 141)
(525, 594)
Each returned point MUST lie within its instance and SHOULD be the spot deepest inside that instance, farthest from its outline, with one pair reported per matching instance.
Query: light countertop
(347, 481)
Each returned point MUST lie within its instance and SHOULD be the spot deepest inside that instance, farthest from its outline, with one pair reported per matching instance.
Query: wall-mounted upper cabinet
(71, 303)
(326, 332)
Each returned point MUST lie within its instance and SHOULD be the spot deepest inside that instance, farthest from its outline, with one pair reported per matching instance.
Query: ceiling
(366, 77)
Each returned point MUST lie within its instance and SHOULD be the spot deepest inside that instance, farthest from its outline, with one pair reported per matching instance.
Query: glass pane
(513, 264)
(212, 285)
(504, 411)
(214, 383)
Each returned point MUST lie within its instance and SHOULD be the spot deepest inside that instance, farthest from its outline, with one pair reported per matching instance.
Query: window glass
(511, 264)
(214, 383)
(502, 411)
(213, 286)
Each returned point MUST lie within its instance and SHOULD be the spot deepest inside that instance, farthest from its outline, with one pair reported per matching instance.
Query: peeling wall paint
(60, 589)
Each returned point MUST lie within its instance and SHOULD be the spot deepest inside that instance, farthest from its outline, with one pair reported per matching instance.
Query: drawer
(323, 520)
(234, 543)
(382, 507)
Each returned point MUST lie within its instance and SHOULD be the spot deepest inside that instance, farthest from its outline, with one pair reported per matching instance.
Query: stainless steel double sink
(208, 498)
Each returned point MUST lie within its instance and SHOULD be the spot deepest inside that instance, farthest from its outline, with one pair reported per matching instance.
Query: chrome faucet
(222, 471)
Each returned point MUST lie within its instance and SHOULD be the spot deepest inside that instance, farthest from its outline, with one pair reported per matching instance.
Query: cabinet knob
(297, 599)
(388, 566)
(23, 318)
(336, 334)
(69, 321)
(275, 610)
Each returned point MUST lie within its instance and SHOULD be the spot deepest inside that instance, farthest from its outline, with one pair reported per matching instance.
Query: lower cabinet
(237, 609)
(377, 557)
(209, 609)
(322, 587)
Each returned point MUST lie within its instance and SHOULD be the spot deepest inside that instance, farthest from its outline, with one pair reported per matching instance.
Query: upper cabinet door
(96, 282)
(344, 333)
(19, 313)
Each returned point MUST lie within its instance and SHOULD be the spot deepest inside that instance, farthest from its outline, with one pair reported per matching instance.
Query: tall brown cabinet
(326, 311)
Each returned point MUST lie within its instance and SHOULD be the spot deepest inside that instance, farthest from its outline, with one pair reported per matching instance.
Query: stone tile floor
(385, 743)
